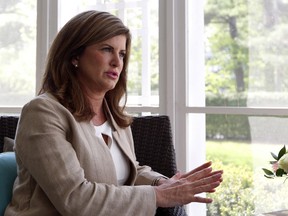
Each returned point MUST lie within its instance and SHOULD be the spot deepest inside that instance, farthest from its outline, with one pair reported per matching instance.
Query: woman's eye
(107, 49)
(111, 50)
(122, 55)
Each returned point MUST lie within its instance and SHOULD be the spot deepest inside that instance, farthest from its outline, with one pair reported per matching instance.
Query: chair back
(8, 125)
(154, 147)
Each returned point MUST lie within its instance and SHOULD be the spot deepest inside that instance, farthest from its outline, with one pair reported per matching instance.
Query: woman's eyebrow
(105, 44)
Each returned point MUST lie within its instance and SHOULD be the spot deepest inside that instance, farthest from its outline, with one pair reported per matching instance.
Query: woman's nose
(116, 60)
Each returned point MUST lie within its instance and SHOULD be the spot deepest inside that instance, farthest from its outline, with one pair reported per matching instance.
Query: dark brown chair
(8, 126)
(153, 146)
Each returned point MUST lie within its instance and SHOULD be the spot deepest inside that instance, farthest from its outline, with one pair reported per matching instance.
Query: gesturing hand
(182, 189)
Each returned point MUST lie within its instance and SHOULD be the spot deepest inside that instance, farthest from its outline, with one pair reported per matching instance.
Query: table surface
(276, 213)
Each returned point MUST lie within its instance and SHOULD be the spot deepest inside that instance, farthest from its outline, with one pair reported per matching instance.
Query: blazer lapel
(123, 140)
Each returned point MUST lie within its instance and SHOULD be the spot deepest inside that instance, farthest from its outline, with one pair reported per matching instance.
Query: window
(245, 101)
(217, 68)
(17, 52)
(228, 83)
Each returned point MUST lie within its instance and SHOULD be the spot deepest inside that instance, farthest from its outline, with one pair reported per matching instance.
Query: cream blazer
(65, 170)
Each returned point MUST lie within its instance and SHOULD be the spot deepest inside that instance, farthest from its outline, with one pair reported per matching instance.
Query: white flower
(283, 162)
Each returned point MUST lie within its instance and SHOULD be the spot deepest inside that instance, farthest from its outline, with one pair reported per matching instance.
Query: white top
(120, 160)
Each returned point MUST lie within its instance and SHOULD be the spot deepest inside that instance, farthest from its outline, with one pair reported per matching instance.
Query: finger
(216, 171)
(207, 181)
(211, 191)
(205, 188)
(202, 199)
(177, 176)
(204, 174)
(199, 168)
(199, 174)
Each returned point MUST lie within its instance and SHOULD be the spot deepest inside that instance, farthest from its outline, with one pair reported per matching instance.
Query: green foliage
(227, 126)
(281, 152)
(226, 28)
(279, 171)
(268, 173)
(269, 49)
(234, 197)
(244, 190)
(235, 127)
(135, 67)
(228, 153)
(246, 46)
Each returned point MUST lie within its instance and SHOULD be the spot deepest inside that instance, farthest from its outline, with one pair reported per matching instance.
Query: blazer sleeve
(48, 156)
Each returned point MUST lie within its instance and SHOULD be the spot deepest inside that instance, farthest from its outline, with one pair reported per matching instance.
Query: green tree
(246, 46)
(226, 29)
(268, 51)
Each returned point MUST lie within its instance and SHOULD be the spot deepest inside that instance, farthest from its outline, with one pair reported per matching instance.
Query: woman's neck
(97, 105)
(98, 119)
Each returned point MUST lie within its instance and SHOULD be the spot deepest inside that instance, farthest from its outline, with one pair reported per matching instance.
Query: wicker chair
(8, 126)
(153, 146)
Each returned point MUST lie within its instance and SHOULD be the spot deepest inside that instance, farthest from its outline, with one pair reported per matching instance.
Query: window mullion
(146, 73)
(47, 19)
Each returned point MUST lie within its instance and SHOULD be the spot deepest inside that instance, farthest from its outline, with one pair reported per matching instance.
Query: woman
(74, 144)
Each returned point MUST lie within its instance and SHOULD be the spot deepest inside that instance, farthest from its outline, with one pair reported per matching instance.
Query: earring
(75, 65)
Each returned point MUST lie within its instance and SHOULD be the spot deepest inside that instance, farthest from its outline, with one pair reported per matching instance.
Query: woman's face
(100, 65)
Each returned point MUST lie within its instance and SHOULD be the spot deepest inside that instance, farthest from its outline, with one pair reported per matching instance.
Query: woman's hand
(182, 189)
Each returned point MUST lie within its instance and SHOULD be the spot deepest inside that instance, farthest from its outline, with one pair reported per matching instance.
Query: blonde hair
(60, 80)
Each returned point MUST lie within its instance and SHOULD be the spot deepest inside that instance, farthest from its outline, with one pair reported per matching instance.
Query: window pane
(141, 16)
(241, 145)
(17, 52)
(246, 53)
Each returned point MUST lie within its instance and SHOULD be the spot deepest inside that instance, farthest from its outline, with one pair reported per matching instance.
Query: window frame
(174, 69)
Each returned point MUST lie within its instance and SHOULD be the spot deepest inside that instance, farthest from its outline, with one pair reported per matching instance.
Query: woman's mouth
(112, 74)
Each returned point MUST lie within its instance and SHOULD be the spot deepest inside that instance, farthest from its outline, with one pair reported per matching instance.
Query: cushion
(8, 144)
(8, 173)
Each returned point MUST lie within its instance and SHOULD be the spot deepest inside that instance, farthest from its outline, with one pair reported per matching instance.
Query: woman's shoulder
(45, 99)
(45, 103)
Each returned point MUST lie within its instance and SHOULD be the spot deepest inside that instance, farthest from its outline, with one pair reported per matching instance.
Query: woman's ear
(75, 62)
